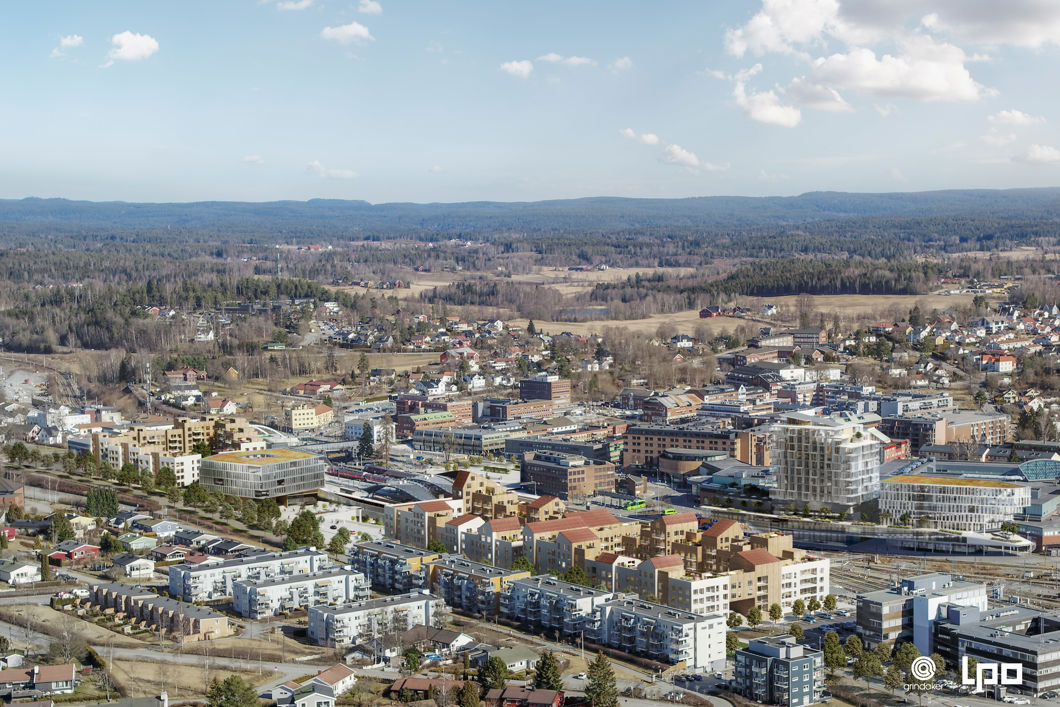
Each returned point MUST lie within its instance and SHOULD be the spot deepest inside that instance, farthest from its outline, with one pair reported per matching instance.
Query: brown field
(851, 309)
(45, 615)
(144, 678)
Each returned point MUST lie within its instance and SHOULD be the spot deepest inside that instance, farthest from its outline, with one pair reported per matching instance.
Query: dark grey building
(778, 670)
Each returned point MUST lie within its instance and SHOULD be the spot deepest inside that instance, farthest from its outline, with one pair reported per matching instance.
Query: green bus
(635, 504)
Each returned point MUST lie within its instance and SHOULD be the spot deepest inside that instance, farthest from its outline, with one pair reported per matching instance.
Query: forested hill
(341, 218)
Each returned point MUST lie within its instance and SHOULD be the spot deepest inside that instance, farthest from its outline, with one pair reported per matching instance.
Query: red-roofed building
(544, 508)
(419, 522)
(456, 531)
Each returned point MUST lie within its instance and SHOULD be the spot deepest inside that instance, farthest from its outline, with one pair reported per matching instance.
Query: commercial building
(391, 567)
(351, 623)
(308, 417)
(405, 426)
(953, 503)
(181, 621)
(505, 410)
(1012, 634)
(262, 598)
(546, 387)
(206, 581)
(831, 461)
(264, 473)
(644, 443)
(477, 441)
(953, 427)
(778, 670)
(664, 409)
(470, 586)
(908, 611)
(566, 476)
(662, 633)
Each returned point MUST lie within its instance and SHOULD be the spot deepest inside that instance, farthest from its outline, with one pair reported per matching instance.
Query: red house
(710, 312)
(73, 551)
(519, 696)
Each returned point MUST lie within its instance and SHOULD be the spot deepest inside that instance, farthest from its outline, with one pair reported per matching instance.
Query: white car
(579, 676)
(1020, 701)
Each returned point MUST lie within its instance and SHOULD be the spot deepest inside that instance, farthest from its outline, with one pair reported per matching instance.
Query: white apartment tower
(831, 461)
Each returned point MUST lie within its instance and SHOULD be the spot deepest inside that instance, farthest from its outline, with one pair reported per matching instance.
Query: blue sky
(427, 101)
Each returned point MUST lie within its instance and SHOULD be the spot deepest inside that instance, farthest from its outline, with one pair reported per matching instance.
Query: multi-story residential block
(181, 621)
(419, 522)
(777, 670)
(644, 443)
(546, 387)
(308, 417)
(498, 542)
(543, 507)
(206, 581)
(557, 545)
(658, 537)
(264, 473)
(365, 620)
(909, 611)
(953, 503)
(898, 404)
(546, 604)
(566, 476)
(831, 461)
(470, 586)
(456, 533)
(664, 409)
(484, 497)
(391, 567)
(662, 633)
(262, 598)
(1011, 634)
(970, 427)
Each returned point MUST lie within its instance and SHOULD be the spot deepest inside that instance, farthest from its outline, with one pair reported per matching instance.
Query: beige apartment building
(644, 443)
(308, 417)
(484, 497)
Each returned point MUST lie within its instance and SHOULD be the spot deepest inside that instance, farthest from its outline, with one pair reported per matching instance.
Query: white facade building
(829, 461)
(259, 599)
(953, 503)
(663, 633)
(704, 595)
(351, 623)
(806, 579)
(214, 581)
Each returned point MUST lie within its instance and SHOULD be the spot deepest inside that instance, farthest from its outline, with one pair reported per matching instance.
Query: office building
(777, 670)
(644, 443)
(264, 473)
(262, 598)
(566, 476)
(546, 387)
(953, 503)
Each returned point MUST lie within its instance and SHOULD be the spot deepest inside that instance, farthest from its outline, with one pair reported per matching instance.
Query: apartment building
(953, 503)
(659, 536)
(778, 670)
(477, 441)
(208, 581)
(180, 621)
(662, 633)
(391, 567)
(346, 624)
(827, 461)
(546, 387)
(456, 533)
(264, 473)
(308, 417)
(557, 545)
(484, 497)
(498, 542)
(419, 522)
(472, 587)
(603, 569)
(262, 598)
(544, 604)
(908, 611)
(543, 507)
(566, 476)
(644, 443)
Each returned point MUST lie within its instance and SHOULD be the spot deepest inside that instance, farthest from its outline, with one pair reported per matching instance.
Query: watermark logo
(989, 674)
(922, 668)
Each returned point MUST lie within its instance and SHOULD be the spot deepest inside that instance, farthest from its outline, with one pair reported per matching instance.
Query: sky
(392, 100)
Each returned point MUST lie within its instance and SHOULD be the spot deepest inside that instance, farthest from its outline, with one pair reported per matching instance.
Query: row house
(186, 622)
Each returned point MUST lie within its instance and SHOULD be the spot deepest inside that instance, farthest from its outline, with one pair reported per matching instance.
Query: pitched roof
(499, 525)
(541, 501)
(607, 558)
(334, 674)
(461, 478)
(676, 518)
(758, 556)
(719, 527)
(423, 684)
(579, 535)
(461, 520)
(667, 561)
(581, 519)
(433, 506)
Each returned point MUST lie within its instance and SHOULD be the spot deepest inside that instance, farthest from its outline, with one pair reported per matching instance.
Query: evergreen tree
(437, 545)
(576, 575)
(522, 564)
(101, 503)
(797, 632)
(600, 688)
(905, 655)
(468, 694)
(233, 691)
(854, 647)
(364, 445)
(547, 675)
(45, 568)
(829, 602)
(61, 528)
(494, 674)
(883, 652)
(304, 530)
(339, 542)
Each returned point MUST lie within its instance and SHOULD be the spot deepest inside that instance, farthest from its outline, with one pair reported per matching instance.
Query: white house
(19, 572)
(134, 567)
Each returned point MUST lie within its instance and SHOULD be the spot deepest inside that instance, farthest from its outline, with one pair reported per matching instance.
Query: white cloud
(318, 170)
(896, 175)
(1042, 154)
(885, 110)
(70, 41)
(622, 63)
(765, 106)
(435, 169)
(554, 58)
(645, 138)
(521, 68)
(129, 46)
(998, 140)
(370, 7)
(677, 155)
(253, 159)
(345, 34)
(812, 95)
(781, 25)
(293, 4)
(1014, 117)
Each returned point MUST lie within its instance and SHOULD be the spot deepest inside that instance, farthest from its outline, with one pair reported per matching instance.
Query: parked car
(579, 676)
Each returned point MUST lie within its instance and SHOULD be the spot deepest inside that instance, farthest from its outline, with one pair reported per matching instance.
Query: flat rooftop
(262, 457)
(369, 604)
(949, 481)
(299, 578)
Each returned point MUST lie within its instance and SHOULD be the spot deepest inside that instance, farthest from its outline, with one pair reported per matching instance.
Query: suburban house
(338, 677)
(308, 694)
(73, 551)
(520, 696)
(160, 527)
(49, 679)
(134, 567)
(15, 572)
(135, 543)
